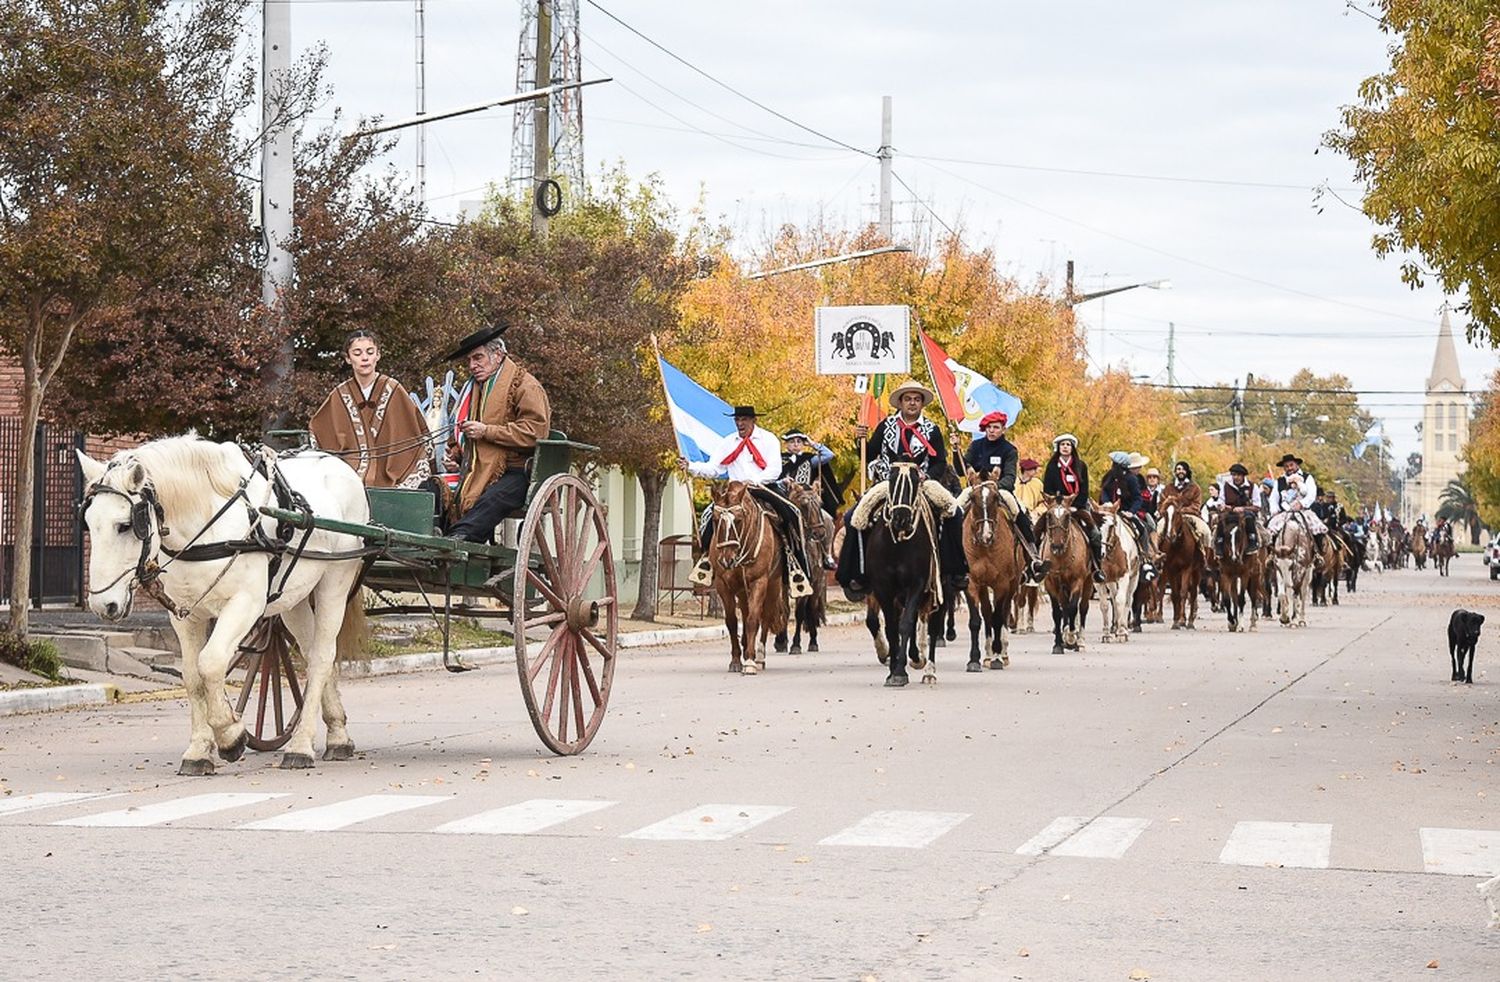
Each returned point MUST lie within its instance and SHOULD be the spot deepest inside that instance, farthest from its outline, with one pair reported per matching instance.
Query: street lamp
(1073, 298)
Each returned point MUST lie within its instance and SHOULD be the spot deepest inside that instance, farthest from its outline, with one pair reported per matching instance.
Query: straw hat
(909, 386)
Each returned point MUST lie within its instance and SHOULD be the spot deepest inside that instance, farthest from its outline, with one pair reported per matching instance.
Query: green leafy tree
(1458, 505)
(1425, 140)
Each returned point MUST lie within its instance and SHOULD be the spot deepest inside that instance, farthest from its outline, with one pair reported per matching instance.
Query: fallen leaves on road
(382, 947)
(803, 859)
(1024, 953)
(519, 911)
(1139, 973)
(1275, 729)
(1433, 963)
(707, 819)
(705, 928)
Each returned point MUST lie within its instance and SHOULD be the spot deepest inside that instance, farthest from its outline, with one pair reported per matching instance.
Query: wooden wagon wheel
(272, 680)
(566, 613)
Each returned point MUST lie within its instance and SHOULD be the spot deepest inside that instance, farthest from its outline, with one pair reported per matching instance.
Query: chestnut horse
(1182, 564)
(995, 562)
(1241, 572)
(1068, 583)
(749, 573)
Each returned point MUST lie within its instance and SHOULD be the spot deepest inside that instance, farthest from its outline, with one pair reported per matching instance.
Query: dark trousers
(952, 563)
(496, 503)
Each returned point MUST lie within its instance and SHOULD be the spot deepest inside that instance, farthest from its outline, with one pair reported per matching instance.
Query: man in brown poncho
(507, 413)
(371, 423)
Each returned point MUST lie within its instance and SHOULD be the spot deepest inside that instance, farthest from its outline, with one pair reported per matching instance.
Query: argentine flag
(700, 418)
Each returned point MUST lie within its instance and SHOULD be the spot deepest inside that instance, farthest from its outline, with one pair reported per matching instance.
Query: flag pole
(687, 480)
(948, 428)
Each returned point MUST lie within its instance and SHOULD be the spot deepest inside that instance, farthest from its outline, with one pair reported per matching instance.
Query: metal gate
(56, 534)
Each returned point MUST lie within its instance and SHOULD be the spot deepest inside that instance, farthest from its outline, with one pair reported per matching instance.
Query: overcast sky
(1210, 91)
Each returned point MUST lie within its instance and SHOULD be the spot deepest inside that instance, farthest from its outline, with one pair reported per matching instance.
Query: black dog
(1463, 635)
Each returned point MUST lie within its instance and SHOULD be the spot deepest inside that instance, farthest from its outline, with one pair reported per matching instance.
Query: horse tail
(354, 634)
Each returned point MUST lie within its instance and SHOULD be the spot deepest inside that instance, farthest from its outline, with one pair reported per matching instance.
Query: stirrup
(703, 573)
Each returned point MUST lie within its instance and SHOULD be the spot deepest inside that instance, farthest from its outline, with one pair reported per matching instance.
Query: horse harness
(147, 571)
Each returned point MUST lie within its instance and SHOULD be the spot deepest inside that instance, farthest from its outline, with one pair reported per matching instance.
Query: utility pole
(884, 154)
(1238, 405)
(421, 100)
(276, 173)
(541, 115)
(1171, 354)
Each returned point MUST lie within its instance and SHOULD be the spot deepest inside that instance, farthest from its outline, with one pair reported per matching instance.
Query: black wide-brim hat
(1239, 469)
(1289, 459)
(745, 411)
(480, 337)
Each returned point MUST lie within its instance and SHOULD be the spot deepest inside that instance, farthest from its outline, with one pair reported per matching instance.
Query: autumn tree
(1425, 140)
(1482, 455)
(116, 170)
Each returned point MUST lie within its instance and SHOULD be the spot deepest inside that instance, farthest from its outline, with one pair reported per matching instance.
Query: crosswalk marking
(170, 811)
(1074, 835)
(1301, 844)
(897, 829)
(1461, 852)
(710, 823)
(49, 799)
(341, 814)
(524, 818)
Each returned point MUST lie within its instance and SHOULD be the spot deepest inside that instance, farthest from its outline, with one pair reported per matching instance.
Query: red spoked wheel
(273, 687)
(566, 613)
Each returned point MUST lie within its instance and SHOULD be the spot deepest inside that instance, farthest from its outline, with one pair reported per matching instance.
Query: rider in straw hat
(905, 436)
(1067, 476)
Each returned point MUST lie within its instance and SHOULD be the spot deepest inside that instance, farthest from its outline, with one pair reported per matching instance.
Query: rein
(744, 551)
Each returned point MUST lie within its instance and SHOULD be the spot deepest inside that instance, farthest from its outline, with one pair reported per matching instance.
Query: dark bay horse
(1182, 564)
(1241, 572)
(1068, 583)
(995, 561)
(749, 564)
(901, 568)
(810, 612)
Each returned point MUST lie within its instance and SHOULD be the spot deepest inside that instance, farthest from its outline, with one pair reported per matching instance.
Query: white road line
(523, 819)
(1103, 838)
(897, 830)
(1461, 852)
(1302, 844)
(341, 814)
(1054, 834)
(710, 823)
(170, 811)
(49, 799)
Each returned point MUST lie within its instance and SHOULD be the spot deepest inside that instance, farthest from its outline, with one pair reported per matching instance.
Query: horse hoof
(812, 646)
(339, 751)
(1176, 627)
(952, 635)
(974, 666)
(941, 642)
(917, 663)
(750, 669)
(296, 762)
(235, 750)
(195, 767)
(736, 667)
(884, 658)
(781, 645)
(795, 649)
(1057, 649)
(1005, 661)
(896, 681)
(929, 680)
(996, 665)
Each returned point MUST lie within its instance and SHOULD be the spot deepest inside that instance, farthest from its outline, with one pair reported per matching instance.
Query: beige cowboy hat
(1139, 460)
(909, 386)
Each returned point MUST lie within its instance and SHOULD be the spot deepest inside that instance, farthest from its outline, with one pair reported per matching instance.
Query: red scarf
(907, 432)
(755, 454)
(1065, 471)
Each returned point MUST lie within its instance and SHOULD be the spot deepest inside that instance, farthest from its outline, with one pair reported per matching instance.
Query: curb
(19, 701)
(425, 660)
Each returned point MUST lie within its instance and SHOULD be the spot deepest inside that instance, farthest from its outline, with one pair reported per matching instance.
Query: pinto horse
(1182, 564)
(749, 563)
(1292, 551)
(901, 566)
(995, 561)
(1122, 572)
(1241, 572)
(1068, 583)
(147, 506)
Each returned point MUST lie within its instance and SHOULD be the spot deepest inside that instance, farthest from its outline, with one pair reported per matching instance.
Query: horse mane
(178, 466)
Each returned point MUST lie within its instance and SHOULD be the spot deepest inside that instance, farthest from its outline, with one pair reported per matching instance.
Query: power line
(1310, 391)
(725, 85)
(1083, 172)
(924, 204)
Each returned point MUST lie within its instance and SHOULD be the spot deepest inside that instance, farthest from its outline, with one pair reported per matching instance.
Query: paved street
(1313, 804)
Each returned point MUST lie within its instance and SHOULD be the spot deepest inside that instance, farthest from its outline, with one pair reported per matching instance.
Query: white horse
(150, 502)
(1292, 551)
(1121, 579)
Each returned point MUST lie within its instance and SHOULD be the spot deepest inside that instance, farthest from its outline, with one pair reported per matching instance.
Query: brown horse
(810, 612)
(749, 564)
(995, 561)
(1419, 545)
(1023, 609)
(1069, 582)
(1241, 572)
(1442, 549)
(1182, 564)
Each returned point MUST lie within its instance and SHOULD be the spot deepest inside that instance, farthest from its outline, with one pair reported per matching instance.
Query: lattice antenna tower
(566, 111)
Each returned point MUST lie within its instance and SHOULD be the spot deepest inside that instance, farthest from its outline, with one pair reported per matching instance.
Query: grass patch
(37, 657)
(464, 634)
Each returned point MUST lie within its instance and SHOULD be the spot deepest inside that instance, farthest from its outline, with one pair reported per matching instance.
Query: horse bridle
(147, 572)
(725, 520)
(903, 484)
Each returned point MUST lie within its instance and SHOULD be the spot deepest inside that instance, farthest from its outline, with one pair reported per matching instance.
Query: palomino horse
(1241, 572)
(1442, 548)
(1419, 545)
(1122, 572)
(995, 562)
(1182, 563)
(810, 612)
(1292, 552)
(749, 573)
(1068, 583)
(147, 506)
(901, 565)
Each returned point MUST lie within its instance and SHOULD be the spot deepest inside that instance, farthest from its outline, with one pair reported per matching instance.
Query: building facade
(1445, 428)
